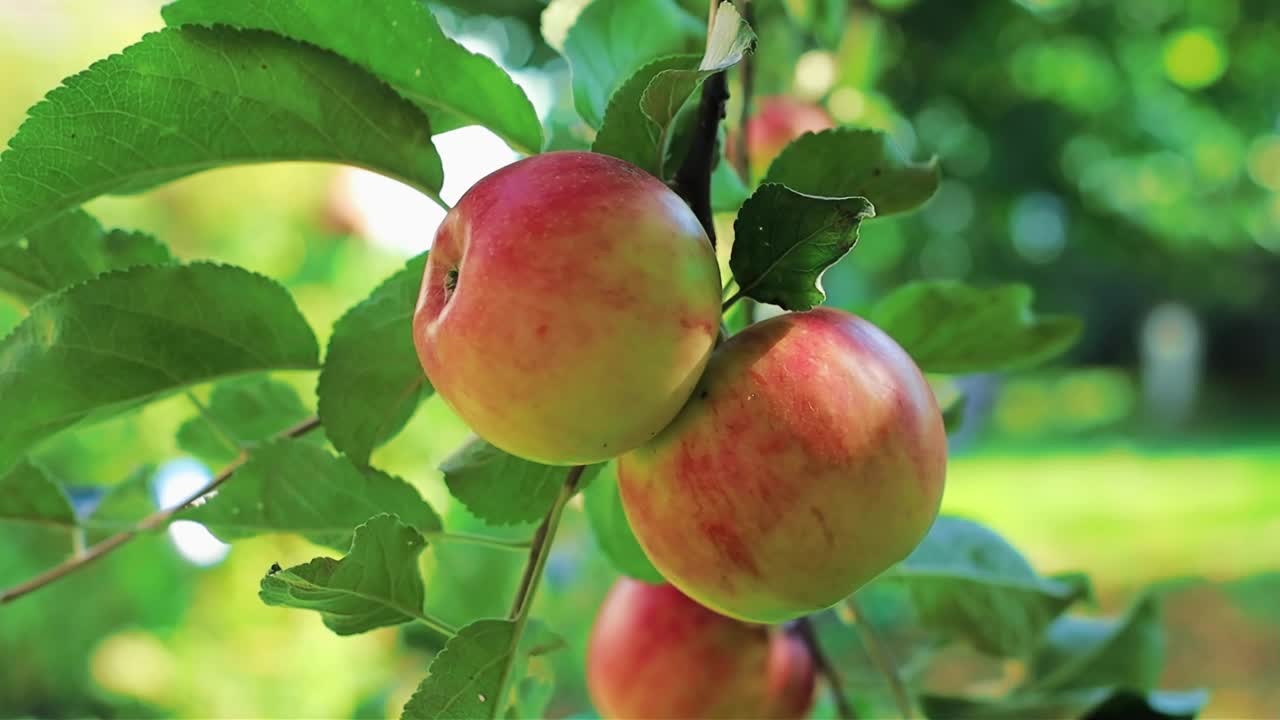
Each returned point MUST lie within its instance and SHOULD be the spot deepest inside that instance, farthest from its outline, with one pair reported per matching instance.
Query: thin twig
(880, 655)
(540, 547)
(153, 521)
(693, 179)
(803, 629)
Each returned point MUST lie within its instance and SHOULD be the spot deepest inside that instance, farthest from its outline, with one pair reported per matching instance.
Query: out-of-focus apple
(779, 120)
(810, 458)
(655, 653)
(569, 305)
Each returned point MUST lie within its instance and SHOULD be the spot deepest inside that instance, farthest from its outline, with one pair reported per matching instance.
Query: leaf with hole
(784, 240)
(292, 486)
(950, 327)
(848, 162)
(121, 339)
(372, 382)
(375, 585)
(182, 101)
(399, 42)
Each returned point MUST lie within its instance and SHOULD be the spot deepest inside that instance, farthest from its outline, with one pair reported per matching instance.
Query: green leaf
(295, 487)
(372, 382)
(627, 133)
(730, 40)
(613, 532)
(728, 192)
(400, 42)
(611, 39)
(640, 118)
(847, 162)
(950, 327)
(122, 506)
(1085, 652)
(965, 581)
(783, 241)
(182, 101)
(129, 336)
(27, 495)
(72, 249)
(240, 412)
(499, 487)
(1101, 703)
(375, 585)
(472, 676)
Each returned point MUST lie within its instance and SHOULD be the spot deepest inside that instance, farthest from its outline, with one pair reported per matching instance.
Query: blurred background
(1123, 158)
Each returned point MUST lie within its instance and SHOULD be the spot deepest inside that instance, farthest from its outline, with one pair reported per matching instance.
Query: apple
(810, 458)
(655, 653)
(779, 120)
(568, 307)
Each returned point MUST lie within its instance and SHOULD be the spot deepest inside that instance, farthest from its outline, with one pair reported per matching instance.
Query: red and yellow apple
(810, 458)
(779, 120)
(655, 653)
(569, 305)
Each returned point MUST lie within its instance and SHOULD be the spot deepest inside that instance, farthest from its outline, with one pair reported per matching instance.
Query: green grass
(1128, 515)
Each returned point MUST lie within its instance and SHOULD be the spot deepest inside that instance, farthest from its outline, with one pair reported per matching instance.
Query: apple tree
(744, 474)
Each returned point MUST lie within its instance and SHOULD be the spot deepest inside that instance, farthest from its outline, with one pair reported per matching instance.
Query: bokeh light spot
(1264, 162)
(1195, 58)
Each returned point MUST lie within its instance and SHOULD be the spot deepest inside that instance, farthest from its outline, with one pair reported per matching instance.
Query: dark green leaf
(1101, 703)
(240, 412)
(375, 585)
(401, 43)
(71, 249)
(1082, 652)
(611, 39)
(613, 532)
(966, 582)
(950, 327)
(296, 487)
(129, 336)
(182, 101)
(783, 241)
(627, 133)
(472, 677)
(27, 495)
(847, 162)
(372, 382)
(500, 488)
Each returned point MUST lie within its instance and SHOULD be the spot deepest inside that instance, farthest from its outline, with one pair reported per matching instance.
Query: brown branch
(153, 521)
(803, 629)
(540, 546)
(693, 179)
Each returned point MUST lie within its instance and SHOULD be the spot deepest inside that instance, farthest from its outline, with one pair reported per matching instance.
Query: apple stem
(153, 521)
(803, 629)
(879, 653)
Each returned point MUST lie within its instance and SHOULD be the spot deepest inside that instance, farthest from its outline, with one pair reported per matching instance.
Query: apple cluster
(570, 314)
